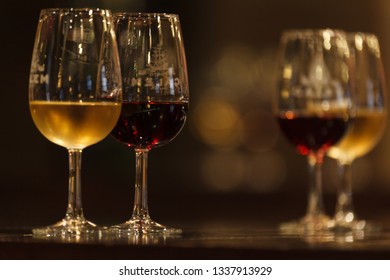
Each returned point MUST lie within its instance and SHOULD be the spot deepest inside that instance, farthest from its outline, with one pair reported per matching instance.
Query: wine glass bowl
(368, 125)
(68, 124)
(155, 99)
(147, 125)
(75, 93)
(313, 106)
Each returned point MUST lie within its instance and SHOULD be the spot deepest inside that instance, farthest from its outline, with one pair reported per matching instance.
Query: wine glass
(155, 99)
(75, 93)
(368, 126)
(313, 106)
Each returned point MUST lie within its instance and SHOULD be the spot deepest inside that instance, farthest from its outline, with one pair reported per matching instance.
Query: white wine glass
(367, 129)
(75, 93)
(155, 99)
(313, 107)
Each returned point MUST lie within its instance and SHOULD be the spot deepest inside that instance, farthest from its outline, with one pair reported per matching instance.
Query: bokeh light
(217, 121)
(234, 68)
(224, 171)
(260, 131)
(239, 171)
(266, 172)
(234, 118)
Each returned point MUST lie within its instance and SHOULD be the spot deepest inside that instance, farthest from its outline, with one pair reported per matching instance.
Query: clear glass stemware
(368, 126)
(155, 99)
(75, 92)
(313, 106)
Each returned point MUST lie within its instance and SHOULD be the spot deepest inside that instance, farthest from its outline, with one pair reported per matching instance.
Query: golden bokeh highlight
(224, 171)
(234, 118)
(217, 122)
(238, 171)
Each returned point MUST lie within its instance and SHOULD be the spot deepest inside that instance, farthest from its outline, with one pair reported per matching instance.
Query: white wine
(75, 124)
(366, 130)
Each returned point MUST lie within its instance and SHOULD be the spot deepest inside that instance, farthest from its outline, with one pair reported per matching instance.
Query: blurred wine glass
(75, 93)
(313, 107)
(155, 99)
(368, 126)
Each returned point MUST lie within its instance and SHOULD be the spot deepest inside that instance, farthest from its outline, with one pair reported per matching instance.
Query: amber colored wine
(148, 125)
(312, 133)
(75, 124)
(367, 129)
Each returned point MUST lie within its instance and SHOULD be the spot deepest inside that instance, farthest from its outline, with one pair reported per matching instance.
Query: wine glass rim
(70, 10)
(144, 15)
(305, 32)
(362, 33)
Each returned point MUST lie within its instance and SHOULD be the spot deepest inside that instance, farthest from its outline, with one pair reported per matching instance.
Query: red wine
(149, 124)
(313, 133)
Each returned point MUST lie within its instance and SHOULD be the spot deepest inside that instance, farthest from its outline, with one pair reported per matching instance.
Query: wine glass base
(310, 224)
(144, 226)
(68, 228)
(352, 226)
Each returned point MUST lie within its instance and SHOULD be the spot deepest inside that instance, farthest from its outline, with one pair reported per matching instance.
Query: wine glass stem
(315, 204)
(140, 210)
(75, 208)
(344, 204)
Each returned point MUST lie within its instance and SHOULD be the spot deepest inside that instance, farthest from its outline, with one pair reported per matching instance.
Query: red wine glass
(313, 106)
(155, 99)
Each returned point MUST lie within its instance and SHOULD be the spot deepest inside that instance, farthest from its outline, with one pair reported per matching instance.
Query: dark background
(230, 146)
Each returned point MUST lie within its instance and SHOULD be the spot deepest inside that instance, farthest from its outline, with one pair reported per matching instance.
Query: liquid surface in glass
(311, 132)
(150, 124)
(367, 128)
(75, 124)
